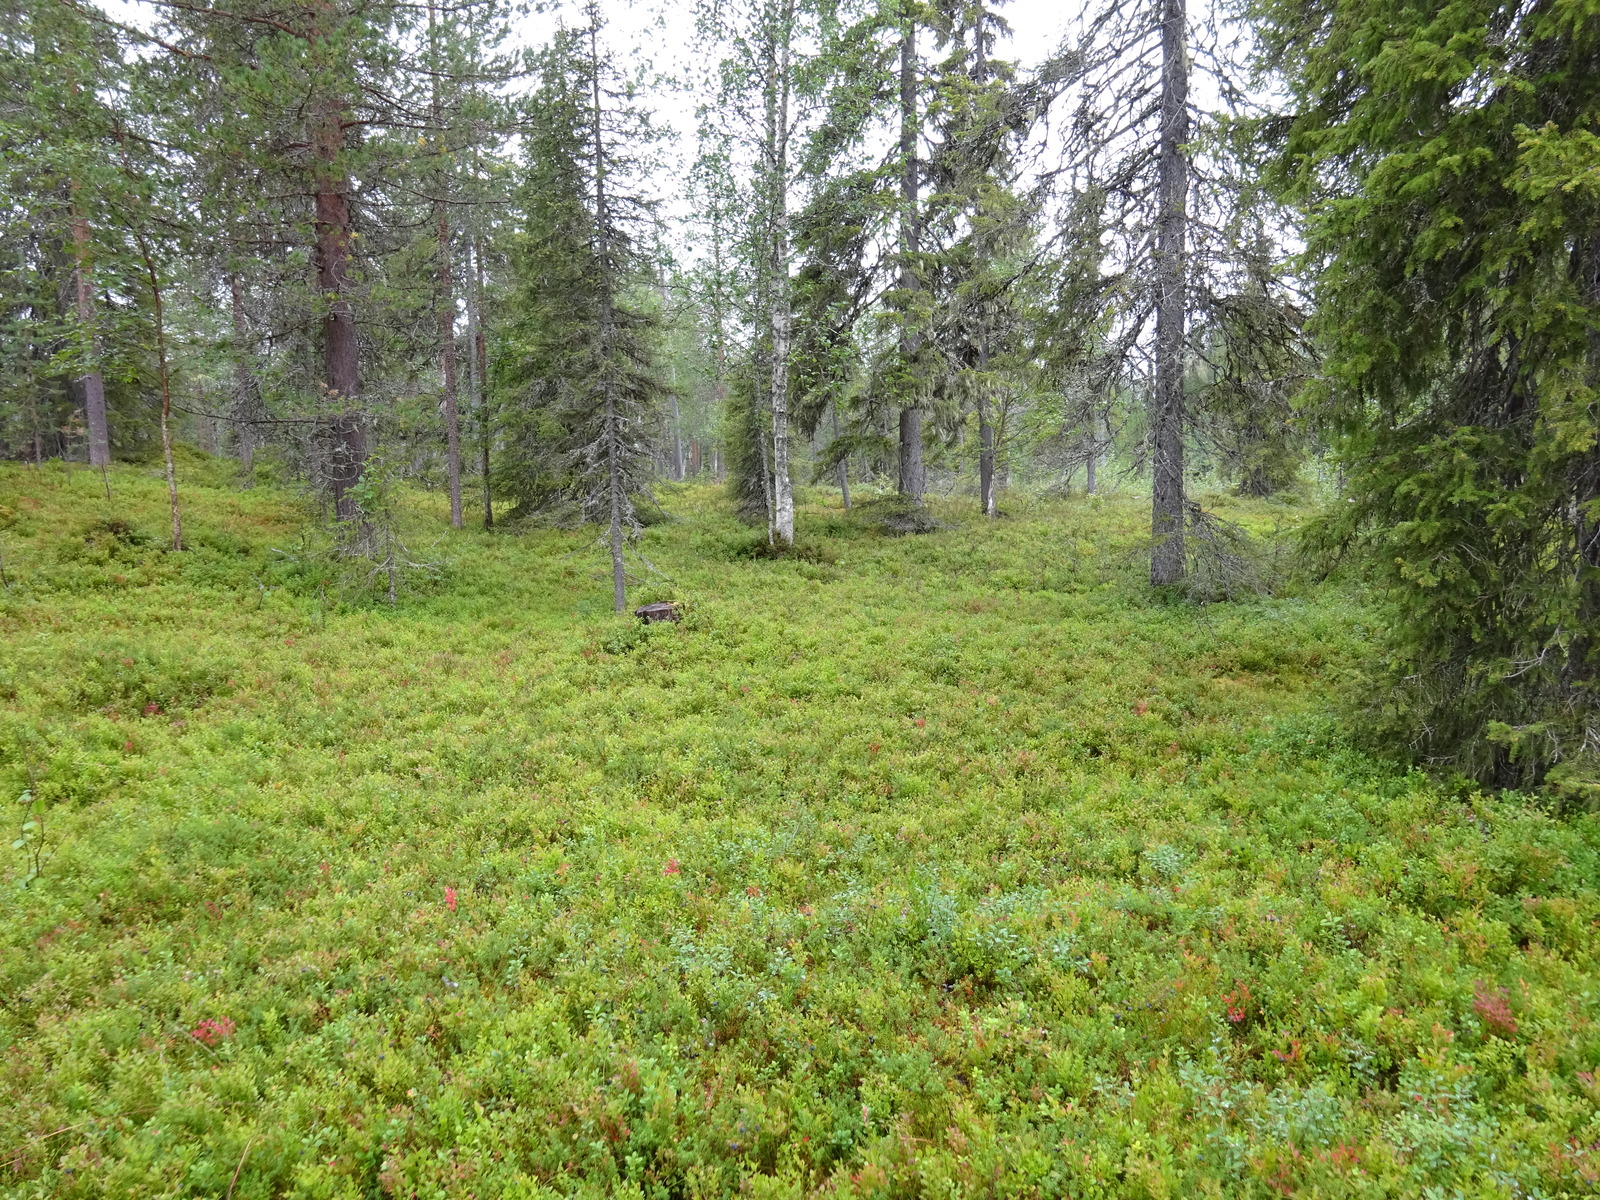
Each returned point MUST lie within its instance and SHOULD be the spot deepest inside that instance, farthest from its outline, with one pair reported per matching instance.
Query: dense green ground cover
(947, 865)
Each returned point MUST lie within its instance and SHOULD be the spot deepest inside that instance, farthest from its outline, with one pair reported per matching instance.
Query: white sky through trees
(655, 43)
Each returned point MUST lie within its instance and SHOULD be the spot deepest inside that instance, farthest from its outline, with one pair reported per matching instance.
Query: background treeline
(1349, 250)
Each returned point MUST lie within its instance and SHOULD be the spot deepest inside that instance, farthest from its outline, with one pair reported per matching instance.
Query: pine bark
(341, 361)
(1167, 499)
(92, 382)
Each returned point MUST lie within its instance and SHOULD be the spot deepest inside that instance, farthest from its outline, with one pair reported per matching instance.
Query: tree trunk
(778, 268)
(474, 384)
(447, 368)
(985, 456)
(767, 481)
(447, 292)
(92, 381)
(480, 357)
(913, 476)
(341, 360)
(164, 377)
(677, 432)
(1167, 420)
(243, 383)
(1092, 464)
(985, 424)
(844, 472)
(33, 419)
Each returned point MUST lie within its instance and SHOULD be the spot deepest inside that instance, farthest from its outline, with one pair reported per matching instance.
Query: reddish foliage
(213, 1030)
(450, 898)
(1493, 1005)
(672, 867)
(1237, 1002)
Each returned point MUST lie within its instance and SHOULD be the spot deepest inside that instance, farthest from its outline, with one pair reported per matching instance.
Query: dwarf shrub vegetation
(941, 865)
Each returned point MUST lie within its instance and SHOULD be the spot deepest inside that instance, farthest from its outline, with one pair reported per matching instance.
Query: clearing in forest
(953, 864)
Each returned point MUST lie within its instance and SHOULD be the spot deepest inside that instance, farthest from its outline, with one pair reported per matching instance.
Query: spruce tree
(1444, 158)
(586, 396)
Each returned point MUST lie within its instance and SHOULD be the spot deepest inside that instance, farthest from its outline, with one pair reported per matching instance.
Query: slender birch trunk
(719, 389)
(1167, 420)
(778, 266)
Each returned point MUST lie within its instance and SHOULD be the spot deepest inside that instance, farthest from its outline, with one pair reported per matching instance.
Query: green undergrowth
(951, 864)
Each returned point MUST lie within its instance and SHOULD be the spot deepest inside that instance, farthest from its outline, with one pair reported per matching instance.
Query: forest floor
(946, 865)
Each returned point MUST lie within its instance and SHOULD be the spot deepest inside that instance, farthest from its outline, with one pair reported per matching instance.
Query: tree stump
(664, 610)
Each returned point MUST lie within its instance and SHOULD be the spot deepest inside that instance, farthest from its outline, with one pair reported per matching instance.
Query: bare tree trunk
(166, 391)
(33, 420)
(985, 455)
(719, 338)
(778, 267)
(480, 358)
(766, 489)
(1167, 420)
(844, 472)
(986, 438)
(677, 429)
(447, 369)
(447, 298)
(243, 383)
(341, 356)
(1094, 461)
(92, 381)
(913, 476)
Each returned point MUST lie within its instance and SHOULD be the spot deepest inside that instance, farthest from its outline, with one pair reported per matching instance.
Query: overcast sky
(658, 37)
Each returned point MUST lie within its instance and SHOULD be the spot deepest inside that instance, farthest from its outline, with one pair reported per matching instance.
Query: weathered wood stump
(663, 610)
